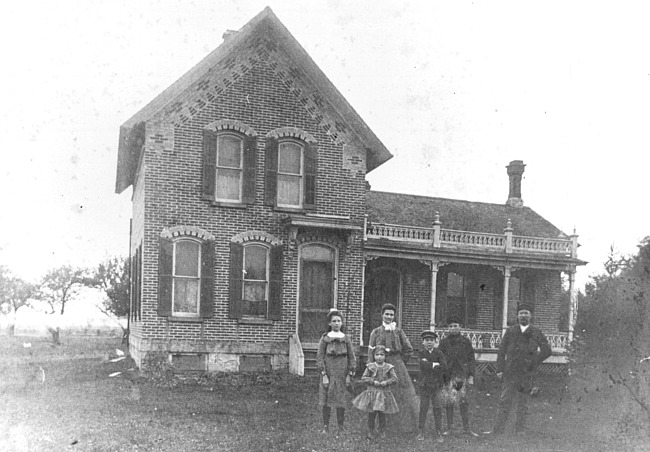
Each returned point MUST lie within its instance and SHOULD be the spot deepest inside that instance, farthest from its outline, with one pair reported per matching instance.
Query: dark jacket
(431, 377)
(521, 353)
(458, 350)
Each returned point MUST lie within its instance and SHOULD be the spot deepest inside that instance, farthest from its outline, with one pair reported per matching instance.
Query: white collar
(390, 326)
(333, 334)
(524, 328)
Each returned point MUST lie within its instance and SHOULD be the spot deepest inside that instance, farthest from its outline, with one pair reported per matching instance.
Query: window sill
(289, 209)
(185, 319)
(254, 321)
(233, 205)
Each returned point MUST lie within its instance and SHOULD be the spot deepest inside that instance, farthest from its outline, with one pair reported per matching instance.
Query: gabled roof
(412, 210)
(265, 22)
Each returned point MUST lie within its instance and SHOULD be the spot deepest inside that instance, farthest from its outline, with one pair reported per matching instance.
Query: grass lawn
(62, 398)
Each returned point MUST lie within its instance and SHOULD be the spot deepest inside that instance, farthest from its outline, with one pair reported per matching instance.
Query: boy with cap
(522, 349)
(432, 368)
(461, 367)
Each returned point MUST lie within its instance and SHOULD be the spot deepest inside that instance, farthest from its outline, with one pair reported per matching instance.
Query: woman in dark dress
(398, 351)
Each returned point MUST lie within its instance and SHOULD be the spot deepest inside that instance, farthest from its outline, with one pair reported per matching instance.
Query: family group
(446, 377)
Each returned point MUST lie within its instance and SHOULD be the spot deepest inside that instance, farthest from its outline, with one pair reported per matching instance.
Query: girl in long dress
(398, 351)
(336, 362)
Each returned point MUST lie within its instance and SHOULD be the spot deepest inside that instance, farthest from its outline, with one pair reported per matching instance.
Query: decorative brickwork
(192, 231)
(259, 236)
(231, 124)
(291, 132)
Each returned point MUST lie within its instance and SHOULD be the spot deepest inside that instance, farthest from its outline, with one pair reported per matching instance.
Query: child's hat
(428, 333)
(379, 348)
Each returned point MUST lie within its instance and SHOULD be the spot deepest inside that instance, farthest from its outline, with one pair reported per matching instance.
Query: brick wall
(169, 194)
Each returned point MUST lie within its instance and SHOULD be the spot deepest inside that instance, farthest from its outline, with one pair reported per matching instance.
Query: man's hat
(454, 319)
(524, 307)
(428, 333)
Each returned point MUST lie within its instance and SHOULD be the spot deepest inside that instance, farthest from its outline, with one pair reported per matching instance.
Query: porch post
(434, 280)
(573, 303)
(363, 294)
(506, 286)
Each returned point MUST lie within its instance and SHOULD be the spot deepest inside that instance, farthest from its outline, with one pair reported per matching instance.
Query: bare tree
(14, 294)
(58, 287)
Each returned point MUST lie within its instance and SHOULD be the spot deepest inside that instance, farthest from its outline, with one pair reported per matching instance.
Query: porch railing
(439, 237)
(489, 340)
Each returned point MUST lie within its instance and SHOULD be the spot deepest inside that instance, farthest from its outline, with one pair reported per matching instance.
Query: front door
(316, 291)
(382, 286)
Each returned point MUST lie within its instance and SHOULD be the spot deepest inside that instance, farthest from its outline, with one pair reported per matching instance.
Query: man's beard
(524, 322)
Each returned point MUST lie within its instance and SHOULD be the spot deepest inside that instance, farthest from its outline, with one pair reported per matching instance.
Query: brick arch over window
(231, 124)
(291, 132)
(328, 239)
(257, 236)
(193, 231)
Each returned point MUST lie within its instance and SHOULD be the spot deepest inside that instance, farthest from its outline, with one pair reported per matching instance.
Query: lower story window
(255, 280)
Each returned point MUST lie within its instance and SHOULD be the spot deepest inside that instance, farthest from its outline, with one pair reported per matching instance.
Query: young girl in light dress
(377, 400)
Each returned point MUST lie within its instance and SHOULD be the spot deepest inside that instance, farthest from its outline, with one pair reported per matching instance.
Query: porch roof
(414, 210)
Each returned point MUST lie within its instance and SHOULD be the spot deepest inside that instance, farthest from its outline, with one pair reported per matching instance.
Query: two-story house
(252, 218)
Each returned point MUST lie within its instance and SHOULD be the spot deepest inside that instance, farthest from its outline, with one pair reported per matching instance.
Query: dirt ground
(63, 398)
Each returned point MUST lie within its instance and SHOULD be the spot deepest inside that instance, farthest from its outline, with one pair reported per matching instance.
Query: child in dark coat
(433, 366)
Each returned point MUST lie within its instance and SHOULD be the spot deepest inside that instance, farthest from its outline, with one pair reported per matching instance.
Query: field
(62, 398)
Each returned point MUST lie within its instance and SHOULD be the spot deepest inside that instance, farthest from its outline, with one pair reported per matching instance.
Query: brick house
(252, 217)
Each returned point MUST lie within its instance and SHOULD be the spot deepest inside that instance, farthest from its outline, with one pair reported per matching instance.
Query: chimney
(515, 171)
(228, 34)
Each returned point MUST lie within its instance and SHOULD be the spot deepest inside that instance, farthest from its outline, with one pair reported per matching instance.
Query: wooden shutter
(271, 172)
(498, 303)
(206, 306)
(311, 169)
(209, 164)
(236, 276)
(165, 278)
(250, 163)
(275, 283)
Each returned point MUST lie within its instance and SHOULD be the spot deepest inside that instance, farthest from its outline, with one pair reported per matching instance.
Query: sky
(455, 90)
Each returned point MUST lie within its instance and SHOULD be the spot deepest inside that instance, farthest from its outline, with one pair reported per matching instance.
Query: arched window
(229, 167)
(255, 280)
(185, 287)
(229, 160)
(290, 173)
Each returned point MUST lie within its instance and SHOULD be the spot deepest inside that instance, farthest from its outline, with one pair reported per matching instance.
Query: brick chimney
(515, 171)
(228, 34)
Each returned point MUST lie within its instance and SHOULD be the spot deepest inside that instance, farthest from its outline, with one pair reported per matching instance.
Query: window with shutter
(290, 174)
(255, 280)
(229, 167)
(186, 281)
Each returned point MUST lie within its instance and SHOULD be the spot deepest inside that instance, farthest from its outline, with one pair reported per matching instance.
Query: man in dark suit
(523, 348)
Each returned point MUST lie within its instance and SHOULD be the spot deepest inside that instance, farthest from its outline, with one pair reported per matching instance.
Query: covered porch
(431, 273)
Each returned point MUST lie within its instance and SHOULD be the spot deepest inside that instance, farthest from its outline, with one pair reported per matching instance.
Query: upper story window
(290, 174)
(185, 287)
(229, 171)
(229, 166)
